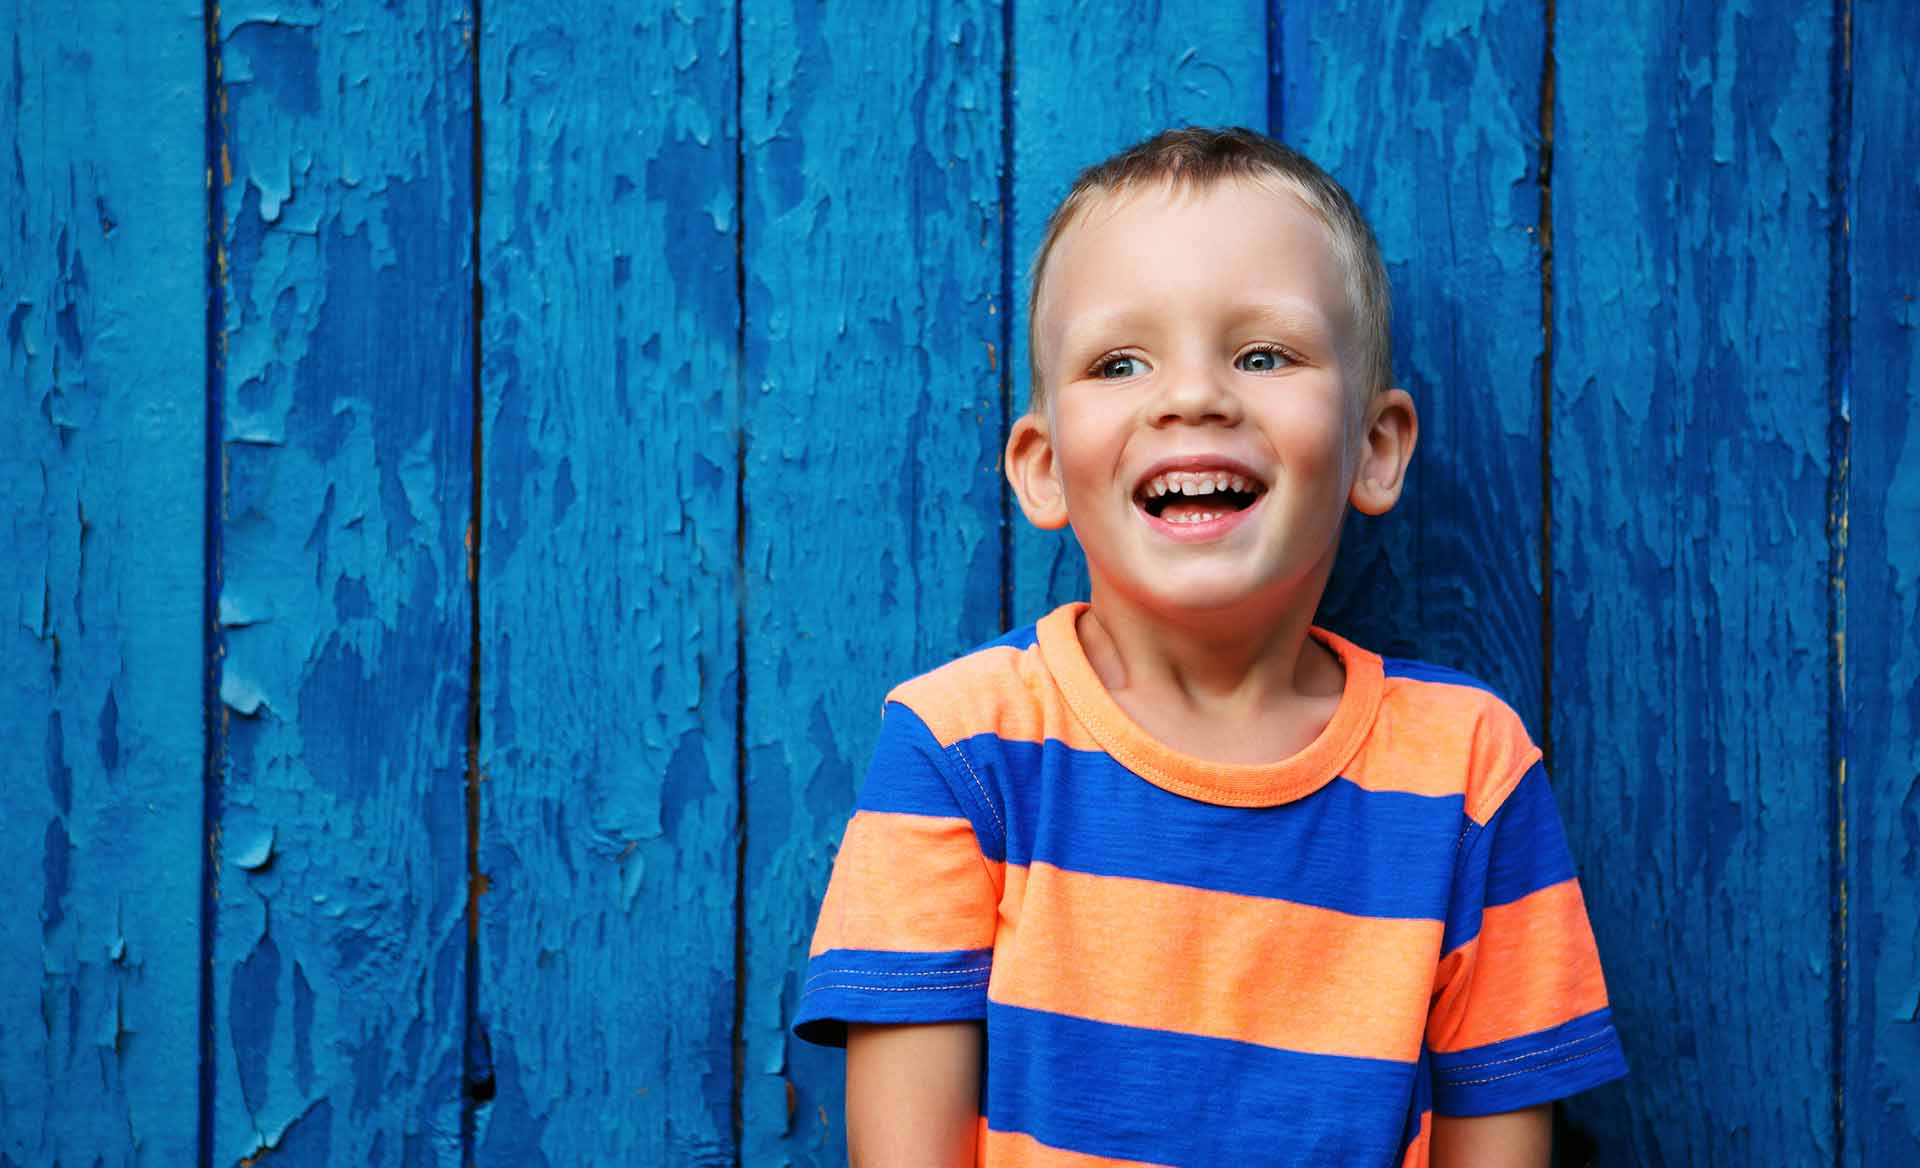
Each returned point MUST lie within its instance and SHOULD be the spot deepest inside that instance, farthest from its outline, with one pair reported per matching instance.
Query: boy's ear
(1031, 473)
(1392, 428)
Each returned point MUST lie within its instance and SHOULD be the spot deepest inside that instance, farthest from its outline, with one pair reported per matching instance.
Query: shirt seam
(1582, 1056)
(1585, 1038)
(998, 823)
(899, 973)
(898, 989)
(968, 804)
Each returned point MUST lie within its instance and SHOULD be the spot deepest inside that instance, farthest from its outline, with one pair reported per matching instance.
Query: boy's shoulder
(967, 694)
(1435, 730)
(1460, 722)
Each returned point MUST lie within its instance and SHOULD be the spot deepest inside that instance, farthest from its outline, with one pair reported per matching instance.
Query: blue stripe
(1534, 1068)
(1369, 853)
(875, 985)
(1438, 674)
(912, 775)
(1521, 850)
(1136, 1094)
(907, 774)
(1528, 849)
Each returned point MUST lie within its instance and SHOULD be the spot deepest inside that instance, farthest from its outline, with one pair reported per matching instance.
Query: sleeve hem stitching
(1578, 1056)
(1583, 1039)
(897, 989)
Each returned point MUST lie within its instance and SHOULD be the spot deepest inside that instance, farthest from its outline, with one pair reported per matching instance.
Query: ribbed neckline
(1228, 784)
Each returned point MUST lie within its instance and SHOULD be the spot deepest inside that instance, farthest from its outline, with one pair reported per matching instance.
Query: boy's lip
(1247, 480)
(1198, 462)
(1201, 532)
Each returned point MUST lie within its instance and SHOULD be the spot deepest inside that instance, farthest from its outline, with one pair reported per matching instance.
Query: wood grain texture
(1690, 469)
(102, 258)
(1091, 77)
(1428, 112)
(738, 453)
(873, 426)
(1881, 587)
(346, 434)
(608, 833)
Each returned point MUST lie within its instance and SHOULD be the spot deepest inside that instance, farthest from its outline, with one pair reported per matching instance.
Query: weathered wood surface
(872, 421)
(1690, 621)
(1090, 78)
(608, 837)
(1430, 114)
(1878, 524)
(344, 409)
(748, 319)
(102, 440)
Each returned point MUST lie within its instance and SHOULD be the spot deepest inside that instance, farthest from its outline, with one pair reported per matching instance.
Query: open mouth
(1197, 496)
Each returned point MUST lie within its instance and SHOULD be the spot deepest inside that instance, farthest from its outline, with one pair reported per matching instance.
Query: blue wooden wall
(472, 470)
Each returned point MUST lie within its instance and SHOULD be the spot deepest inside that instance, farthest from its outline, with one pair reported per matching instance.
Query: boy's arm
(913, 1094)
(1512, 1139)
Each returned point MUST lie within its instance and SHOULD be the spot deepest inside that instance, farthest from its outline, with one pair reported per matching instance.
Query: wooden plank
(1690, 595)
(1429, 112)
(102, 271)
(1089, 79)
(1880, 526)
(608, 640)
(346, 437)
(873, 429)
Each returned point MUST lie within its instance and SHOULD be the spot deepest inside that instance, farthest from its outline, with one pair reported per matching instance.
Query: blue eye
(1261, 360)
(1114, 368)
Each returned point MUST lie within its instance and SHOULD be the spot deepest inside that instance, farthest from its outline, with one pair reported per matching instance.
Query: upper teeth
(1187, 482)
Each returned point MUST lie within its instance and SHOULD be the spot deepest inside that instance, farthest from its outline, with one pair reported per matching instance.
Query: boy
(1173, 877)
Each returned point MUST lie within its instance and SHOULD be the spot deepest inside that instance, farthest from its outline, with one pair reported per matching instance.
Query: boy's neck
(1238, 688)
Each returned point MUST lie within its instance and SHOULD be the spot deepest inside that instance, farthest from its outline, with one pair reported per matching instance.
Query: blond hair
(1196, 158)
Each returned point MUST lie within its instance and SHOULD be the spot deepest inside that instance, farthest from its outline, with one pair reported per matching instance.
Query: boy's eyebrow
(1291, 315)
(1095, 324)
(1300, 319)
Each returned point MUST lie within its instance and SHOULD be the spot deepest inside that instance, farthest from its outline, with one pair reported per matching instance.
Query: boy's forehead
(1110, 238)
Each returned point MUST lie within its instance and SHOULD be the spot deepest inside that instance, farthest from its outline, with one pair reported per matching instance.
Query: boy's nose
(1195, 396)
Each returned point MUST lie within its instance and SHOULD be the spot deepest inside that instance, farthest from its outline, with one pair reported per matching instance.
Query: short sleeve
(1520, 1013)
(906, 928)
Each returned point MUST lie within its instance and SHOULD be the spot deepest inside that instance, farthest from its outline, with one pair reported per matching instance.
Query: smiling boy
(1172, 876)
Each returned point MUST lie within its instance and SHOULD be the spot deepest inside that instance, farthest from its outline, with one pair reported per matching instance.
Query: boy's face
(1202, 432)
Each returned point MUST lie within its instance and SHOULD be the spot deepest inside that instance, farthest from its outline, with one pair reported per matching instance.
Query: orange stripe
(1019, 1150)
(1429, 738)
(1195, 961)
(1001, 691)
(1417, 1151)
(910, 883)
(1533, 967)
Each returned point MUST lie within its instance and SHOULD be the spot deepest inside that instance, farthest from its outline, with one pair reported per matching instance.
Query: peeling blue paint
(1878, 522)
(280, 56)
(1715, 176)
(252, 1006)
(873, 267)
(1689, 616)
(252, 853)
(57, 864)
(59, 774)
(109, 741)
(607, 833)
(100, 240)
(347, 438)
(303, 1012)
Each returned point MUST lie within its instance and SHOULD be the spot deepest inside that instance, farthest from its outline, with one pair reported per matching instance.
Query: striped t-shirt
(1180, 962)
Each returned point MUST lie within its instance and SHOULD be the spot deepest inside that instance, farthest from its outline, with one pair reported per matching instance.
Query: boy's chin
(1190, 599)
